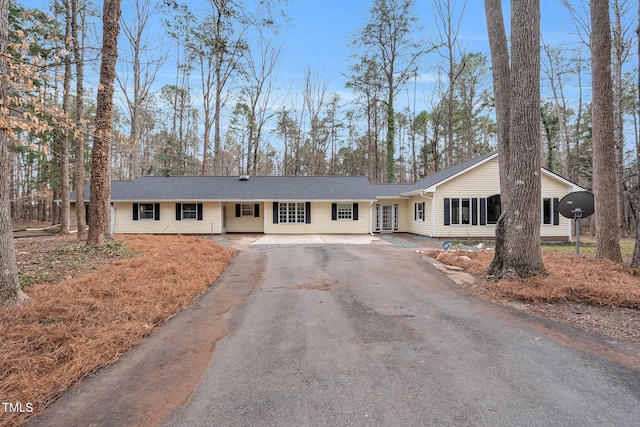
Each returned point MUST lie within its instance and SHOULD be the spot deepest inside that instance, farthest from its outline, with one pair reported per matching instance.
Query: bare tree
(557, 69)
(621, 43)
(518, 250)
(388, 38)
(99, 206)
(259, 92)
(145, 64)
(368, 82)
(607, 240)
(449, 48)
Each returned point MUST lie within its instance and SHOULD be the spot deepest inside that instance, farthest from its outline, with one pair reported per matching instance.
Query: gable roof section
(230, 188)
(444, 175)
(430, 182)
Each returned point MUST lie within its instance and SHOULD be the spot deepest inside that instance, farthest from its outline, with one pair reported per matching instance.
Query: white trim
(574, 187)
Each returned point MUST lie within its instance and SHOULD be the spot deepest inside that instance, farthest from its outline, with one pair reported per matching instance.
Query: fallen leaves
(78, 326)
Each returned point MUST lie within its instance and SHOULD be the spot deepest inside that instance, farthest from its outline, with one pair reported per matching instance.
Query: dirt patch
(324, 286)
(80, 324)
(594, 295)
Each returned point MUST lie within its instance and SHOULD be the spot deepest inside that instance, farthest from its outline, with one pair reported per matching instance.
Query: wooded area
(227, 114)
(236, 121)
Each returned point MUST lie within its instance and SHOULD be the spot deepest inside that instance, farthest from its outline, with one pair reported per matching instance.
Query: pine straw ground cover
(596, 295)
(84, 320)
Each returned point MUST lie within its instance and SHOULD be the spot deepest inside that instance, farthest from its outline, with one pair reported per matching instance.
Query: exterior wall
(481, 182)
(420, 227)
(167, 224)
(403, 213)
(244, 224)
(320, 221)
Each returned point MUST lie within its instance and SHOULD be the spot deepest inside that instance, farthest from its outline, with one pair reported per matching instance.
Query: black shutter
(447, 211)
(178, 211)
(256, 210)
(415, 211)
(474, 211)
(307, 212)
(135, 211)
(86, 214)
(275, 212)
(199, 211)
(334, 211)
(424, 214)
(483, 211)
(238, 210)
(355, 211)
(156, 211)
(556, 214)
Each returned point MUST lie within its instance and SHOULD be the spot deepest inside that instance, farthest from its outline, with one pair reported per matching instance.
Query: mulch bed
(86, 318)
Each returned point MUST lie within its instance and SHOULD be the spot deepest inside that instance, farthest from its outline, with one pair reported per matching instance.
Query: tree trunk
(523, 215)
(10, 291)
(520, 252)
(502, 89)
(604, 180)
(99, 212)
(619, 53)
(65, 214)
(391, 130)
(78, 57)
(635, 262)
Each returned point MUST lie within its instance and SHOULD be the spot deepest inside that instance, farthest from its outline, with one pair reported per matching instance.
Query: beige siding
(420, 227)
(211, 220)
(481, 182)
(320, 221)
(245, 224)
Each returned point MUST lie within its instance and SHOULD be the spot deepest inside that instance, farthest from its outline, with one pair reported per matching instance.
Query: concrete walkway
(318, 239)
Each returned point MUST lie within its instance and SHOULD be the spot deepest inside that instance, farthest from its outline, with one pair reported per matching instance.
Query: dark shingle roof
(222, 188)
(390, 190)
(229, 188)
(447, 173)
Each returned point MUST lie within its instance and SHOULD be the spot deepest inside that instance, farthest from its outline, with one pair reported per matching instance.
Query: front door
(387, 218)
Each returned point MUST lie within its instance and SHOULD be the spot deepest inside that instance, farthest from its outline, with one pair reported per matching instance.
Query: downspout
(370, 217)
(433, 211)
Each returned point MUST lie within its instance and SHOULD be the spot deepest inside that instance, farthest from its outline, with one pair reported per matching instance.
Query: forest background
(276, 88)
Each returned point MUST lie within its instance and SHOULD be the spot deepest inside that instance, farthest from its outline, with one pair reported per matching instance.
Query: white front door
(386, 218)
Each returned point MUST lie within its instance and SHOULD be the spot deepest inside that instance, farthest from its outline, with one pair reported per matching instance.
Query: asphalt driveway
(355, 335)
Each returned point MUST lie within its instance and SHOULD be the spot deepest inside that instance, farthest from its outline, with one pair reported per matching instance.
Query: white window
(291, 213)
(420, 211)
(461, 211)
(146, 211)
(246, 209)
(189, 211)
(547, 211)
(345, 211)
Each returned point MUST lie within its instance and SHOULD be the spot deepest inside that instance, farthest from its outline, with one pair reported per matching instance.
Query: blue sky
(318, 34)
(320, 30)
